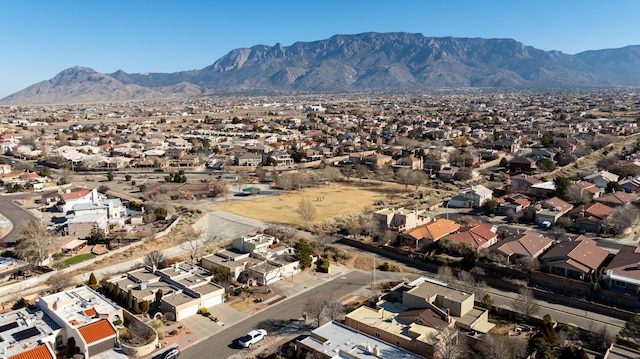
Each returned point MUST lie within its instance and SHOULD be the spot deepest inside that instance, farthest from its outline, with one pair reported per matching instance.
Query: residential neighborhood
(466, 215)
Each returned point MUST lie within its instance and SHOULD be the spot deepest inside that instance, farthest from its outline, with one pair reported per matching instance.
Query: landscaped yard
(329, 201)
(79, 258)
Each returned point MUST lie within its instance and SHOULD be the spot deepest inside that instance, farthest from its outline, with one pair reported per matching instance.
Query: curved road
(15, 214)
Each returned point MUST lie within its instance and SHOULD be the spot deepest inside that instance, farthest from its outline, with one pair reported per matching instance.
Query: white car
(252, 337)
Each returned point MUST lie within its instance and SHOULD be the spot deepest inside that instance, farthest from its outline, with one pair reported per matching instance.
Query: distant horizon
(164, 36)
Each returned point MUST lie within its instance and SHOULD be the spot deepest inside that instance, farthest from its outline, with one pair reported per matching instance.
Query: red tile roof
(474, 235)
(97, 331)
(91, 312)
(434, 230)
(595, 209)
(39, 352)
(75, 194)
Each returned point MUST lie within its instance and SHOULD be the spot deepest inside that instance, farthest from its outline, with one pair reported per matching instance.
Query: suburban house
(630, 184)
(548, 211)
(522, 183)
(260, 259)
(30, 335)
(623, 272)
(428, 233)
(249, 159)
(522, 165)
(448, 174)
(71, 197)
(410, 162)
(455, 304)
(512, 203)
(475, 235)
(472, 197)
(334, 340)
(588, 190)
(376, 160)
(522, 245)
(181, 289)
(419, 332)
(602, 178)
(400, 219)
(589, 217)
(617, 199)
(79, 313)
(82, 226)
(575, 258)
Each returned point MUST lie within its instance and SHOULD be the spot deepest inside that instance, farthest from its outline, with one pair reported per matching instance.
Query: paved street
(286, 311)
(14, 214)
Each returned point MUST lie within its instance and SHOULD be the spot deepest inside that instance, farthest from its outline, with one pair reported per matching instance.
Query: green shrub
(323, 265)
(173, 332)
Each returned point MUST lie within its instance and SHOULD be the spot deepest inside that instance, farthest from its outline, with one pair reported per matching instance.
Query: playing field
(329, 201)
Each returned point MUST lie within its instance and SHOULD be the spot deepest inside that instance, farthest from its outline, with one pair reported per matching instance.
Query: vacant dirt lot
(329, 201)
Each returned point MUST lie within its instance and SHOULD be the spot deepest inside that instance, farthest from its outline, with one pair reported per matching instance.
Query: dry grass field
(329, 201)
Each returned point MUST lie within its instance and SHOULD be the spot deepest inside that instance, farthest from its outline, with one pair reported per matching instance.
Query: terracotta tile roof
(434, 230)
(96, 331)
(75, 194)
(474, 235)
(91, 312)
(39, 352)
(595, 209)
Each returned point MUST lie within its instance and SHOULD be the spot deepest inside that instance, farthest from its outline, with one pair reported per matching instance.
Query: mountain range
(344, 63)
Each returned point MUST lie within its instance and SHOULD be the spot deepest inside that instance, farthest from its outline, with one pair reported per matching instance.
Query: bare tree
(60, 281)
(334, 308)
(242, 179)
(347, 171)
(404, 176)
(445, 274)
(314, 308)
(306, 210)
(219, 187)
(576, 195)
(418, 179)
(361, 171)
(622, 217)
(33, 244)
(285, 181)
(525, 303)
(331, 174)
(450, 345)
(194, 241)
(502, 347)
(467, 280)
(154, 259)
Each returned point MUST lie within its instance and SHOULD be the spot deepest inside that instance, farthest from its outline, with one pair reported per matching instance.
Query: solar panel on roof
(8, 326)
(25, 334)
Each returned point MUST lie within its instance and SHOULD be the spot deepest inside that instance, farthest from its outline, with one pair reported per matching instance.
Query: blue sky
(41, 38)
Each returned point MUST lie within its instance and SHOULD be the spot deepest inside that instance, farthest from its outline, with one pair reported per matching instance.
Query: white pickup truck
(252, 337)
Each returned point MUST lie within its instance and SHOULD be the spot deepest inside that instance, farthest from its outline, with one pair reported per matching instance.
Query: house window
(397, 343)
(620, 284)
(377, 335)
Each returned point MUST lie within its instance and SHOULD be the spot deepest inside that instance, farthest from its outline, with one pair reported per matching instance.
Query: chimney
(376, 351)
(382, 313)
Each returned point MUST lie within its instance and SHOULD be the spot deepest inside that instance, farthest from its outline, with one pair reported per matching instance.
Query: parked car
(252, 337)
(172, 353)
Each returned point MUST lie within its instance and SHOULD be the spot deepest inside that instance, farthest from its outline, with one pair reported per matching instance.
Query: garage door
(210, 302)
(187, 312)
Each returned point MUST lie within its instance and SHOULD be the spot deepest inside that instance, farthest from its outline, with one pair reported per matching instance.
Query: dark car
(172, 353)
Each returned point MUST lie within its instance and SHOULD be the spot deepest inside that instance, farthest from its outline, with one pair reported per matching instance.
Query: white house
(474, 196)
